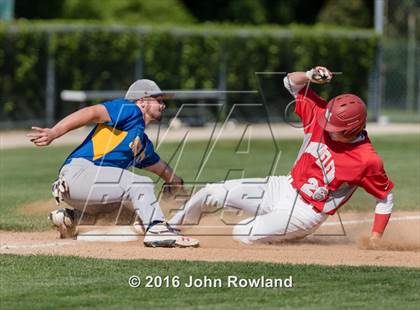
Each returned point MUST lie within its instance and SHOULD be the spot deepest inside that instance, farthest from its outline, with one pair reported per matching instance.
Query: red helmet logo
(346, 113)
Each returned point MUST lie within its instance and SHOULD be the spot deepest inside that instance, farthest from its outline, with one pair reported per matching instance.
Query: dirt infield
(330, 246)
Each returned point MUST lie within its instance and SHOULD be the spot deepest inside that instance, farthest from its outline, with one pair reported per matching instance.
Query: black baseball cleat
(164, 236)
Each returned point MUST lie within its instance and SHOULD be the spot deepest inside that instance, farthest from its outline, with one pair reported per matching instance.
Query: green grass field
(27, 173)
(46, 282)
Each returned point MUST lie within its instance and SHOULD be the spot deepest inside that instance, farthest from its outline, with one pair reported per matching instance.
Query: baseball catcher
(95, 174)
(335, 159)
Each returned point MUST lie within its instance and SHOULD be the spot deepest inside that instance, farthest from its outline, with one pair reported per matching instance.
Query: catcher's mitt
(319, 75)
(173, 190)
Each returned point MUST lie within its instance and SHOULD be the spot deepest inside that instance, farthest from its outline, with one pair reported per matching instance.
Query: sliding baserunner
(335, 159)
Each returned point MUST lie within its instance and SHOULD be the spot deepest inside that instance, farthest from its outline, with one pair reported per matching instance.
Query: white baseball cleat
(163, 235)
(64, 220)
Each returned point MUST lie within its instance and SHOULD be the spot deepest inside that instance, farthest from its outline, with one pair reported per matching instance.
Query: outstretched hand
(375, 240)
(41, 136)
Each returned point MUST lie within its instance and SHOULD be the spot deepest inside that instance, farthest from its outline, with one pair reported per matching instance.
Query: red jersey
(327, 173)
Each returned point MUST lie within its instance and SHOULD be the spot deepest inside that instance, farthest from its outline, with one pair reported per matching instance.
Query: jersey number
(310, 187)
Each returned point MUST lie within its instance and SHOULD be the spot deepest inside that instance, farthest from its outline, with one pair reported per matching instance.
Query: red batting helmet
(345, 113)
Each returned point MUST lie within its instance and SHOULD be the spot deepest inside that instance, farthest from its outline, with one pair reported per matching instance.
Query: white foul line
(392, 219)
(350, 222)
(34, 246)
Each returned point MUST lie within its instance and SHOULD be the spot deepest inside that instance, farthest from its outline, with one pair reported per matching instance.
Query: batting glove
(319, 75)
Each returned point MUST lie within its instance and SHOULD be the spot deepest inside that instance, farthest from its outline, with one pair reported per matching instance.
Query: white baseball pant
(98, 187)
(278, 212)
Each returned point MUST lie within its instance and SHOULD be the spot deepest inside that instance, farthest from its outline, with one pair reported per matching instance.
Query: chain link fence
(400, 63)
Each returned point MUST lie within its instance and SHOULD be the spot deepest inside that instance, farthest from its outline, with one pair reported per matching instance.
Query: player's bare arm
(298, 78)
(165, 172)
(173, 183)
(80, 118)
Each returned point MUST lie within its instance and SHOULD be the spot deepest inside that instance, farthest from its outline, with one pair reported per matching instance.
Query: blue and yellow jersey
(119, 143)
